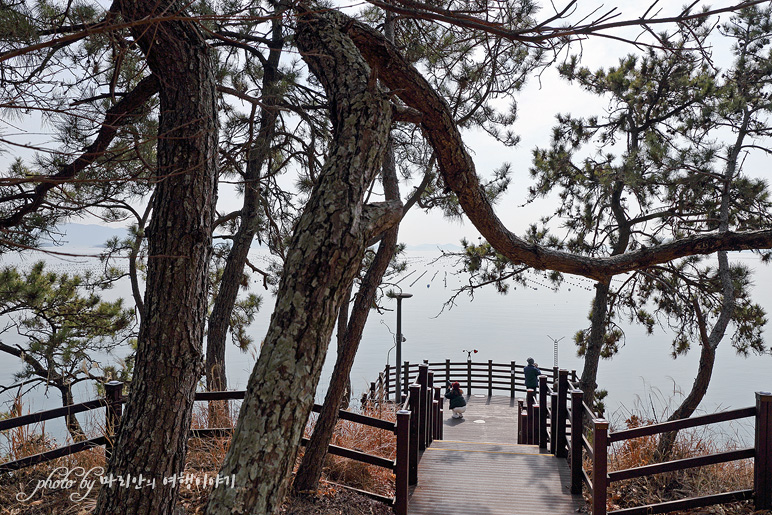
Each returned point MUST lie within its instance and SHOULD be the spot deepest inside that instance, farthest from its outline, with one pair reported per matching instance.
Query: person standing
(532, 374)
(457, 401)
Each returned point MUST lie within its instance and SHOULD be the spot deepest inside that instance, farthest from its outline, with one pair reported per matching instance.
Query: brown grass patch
(204, 459)
(694, 482)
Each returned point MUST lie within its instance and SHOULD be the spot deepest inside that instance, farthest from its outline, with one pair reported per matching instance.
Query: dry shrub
(206, 455)
(369, 440)
(204, 459)
(694, 482)
(17, 487)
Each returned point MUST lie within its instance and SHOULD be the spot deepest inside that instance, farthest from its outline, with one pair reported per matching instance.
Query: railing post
(113, 410)
(429, 408)
(490, 378)
(553, 422)
(560, 429)
(512, 381)
(401, 465)
(372, 392)
(469, 377)
(423, 380)
(577, 427)
(528, 435)
(405, 376)
(381, 393)
(599, 466)
(762, 463)
(438, 419)
(415, 402)
(555, 378)
(520, 421)
(435, 419)
(388, 384)
(447, 370)
(543, 435)
(534, 423)
(573, 376)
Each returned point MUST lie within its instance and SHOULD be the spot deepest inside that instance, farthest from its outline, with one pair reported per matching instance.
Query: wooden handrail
(226, 395)
(685, 504)
(761, 453)
(52, 454)
(682, 464)
(675, 425)
(370, 459)
(42, 416)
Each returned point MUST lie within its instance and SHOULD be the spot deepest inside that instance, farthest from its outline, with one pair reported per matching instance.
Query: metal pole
(399, 341)
(399, 297)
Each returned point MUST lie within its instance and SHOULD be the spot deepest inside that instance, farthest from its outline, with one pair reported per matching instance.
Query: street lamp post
(400, 339)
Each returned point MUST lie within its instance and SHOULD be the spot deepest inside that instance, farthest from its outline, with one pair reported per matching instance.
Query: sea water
(535, 320)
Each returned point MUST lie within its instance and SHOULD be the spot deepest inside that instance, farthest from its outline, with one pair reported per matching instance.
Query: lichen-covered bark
(325, 251)
(152, 440)
(310, 469)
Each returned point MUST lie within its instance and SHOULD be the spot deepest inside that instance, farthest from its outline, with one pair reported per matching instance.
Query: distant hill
(84, 235)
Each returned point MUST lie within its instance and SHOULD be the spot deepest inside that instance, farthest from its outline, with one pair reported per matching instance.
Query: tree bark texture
(340, 339)
(310, 469)
(587, 382)
(219, 320)
(73, 426)
(690, 403)
(325, 251)
(152, 440)
(458, 172)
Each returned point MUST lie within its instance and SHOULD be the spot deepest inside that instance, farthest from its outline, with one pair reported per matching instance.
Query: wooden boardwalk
(478, 468)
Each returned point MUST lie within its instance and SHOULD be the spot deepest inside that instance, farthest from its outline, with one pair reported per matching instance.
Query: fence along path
(479, 468)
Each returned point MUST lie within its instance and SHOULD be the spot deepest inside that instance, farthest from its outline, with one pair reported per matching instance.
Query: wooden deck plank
(479, 469)
(487, 419)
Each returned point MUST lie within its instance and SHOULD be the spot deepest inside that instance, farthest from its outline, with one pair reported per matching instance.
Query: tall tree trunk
(691, 402)
(340, 337)
(310, 469)
(325, 251)
(587, 382)
(219, 320)
(152, 440)
(73, 426)
(598, 319)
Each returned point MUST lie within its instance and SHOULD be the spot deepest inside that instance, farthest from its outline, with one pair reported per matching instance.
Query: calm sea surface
(502, 328)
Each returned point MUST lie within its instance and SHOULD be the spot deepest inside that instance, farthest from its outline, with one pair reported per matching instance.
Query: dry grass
(695, 482)
(17, 487)
(364, 439)
(204, 459)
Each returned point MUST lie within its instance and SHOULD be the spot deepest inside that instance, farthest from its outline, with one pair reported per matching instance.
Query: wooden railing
(761, 453)
(560, 427)
(112, 404)
(418, 423)
(557, 419)
(474, 377)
